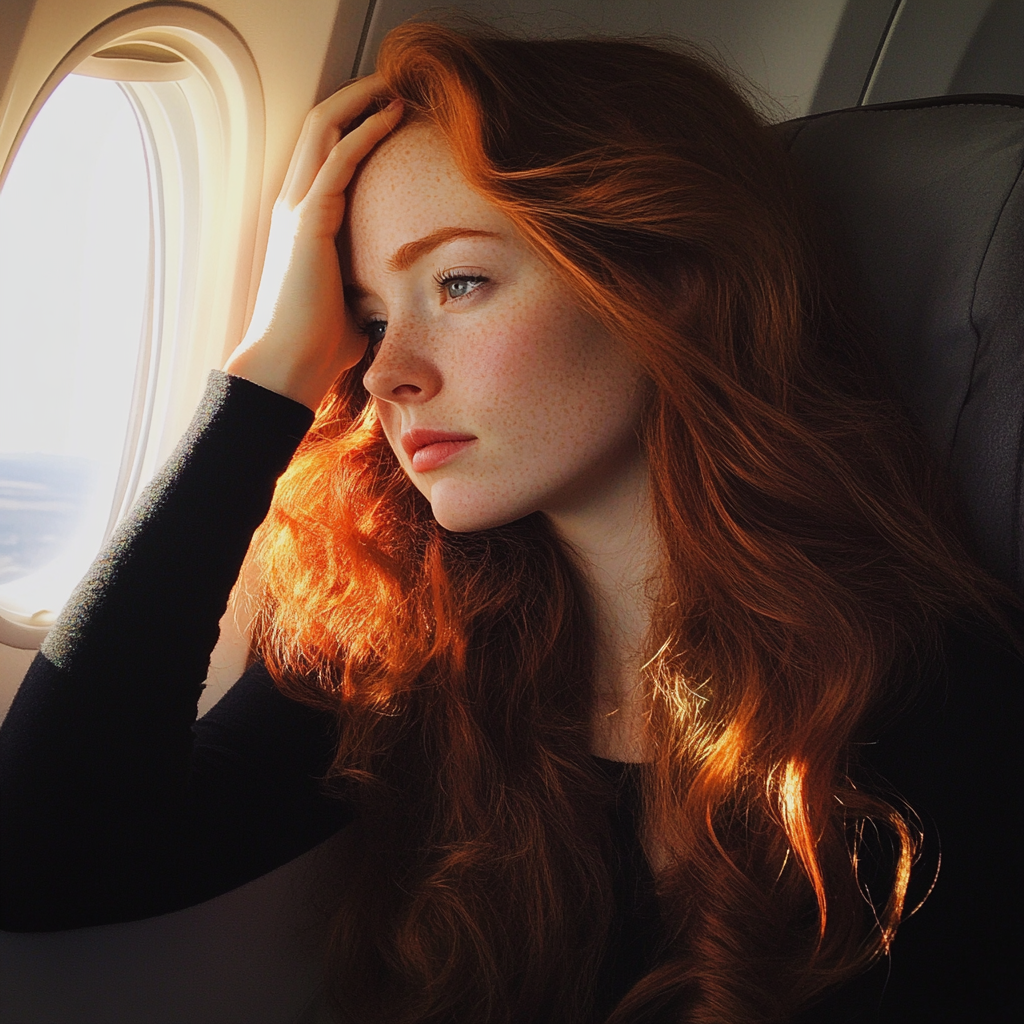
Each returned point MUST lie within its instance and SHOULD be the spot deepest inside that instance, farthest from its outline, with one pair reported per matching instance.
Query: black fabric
(928, 196)
(954, 759)
(117, 805)
(636, 930)
(114, 808)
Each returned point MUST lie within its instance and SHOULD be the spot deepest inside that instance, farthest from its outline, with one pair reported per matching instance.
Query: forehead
(406, 189)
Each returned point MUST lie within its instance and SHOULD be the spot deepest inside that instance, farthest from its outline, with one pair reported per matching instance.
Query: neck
(617, 548)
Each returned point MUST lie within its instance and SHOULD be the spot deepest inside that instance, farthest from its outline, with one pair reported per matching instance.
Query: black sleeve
(115, 803)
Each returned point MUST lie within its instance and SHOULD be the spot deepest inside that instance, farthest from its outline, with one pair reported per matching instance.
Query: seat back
(930, 198)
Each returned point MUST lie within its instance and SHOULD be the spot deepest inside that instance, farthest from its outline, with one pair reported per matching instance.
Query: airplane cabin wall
(777, 47)
(950, 47)
(800, 56)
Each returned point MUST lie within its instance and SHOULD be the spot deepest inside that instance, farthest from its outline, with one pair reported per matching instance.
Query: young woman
(605, 603)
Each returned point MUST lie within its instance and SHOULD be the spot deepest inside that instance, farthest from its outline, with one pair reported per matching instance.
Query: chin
(469, 521)
(464, 513)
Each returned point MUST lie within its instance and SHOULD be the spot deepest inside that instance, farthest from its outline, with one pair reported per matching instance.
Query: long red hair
(806, 574)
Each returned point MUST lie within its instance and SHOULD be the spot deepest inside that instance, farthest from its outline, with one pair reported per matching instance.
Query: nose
(402, 370)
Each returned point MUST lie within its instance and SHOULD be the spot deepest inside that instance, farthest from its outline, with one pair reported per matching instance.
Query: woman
(596, 580)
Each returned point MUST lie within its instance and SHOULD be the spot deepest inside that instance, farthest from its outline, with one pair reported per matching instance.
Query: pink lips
(430, 449)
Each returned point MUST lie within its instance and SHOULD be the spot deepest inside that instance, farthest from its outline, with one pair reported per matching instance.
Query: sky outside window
(74, 270)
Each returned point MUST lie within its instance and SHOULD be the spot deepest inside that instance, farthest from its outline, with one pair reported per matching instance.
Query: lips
(430, 449)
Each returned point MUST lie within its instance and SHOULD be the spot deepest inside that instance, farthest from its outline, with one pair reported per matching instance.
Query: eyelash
(443, 279)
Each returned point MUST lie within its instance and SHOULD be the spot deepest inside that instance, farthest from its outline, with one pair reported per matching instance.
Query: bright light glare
(74, 265)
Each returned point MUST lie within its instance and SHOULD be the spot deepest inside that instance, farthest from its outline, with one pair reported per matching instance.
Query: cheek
(549, 374)
(523, 363)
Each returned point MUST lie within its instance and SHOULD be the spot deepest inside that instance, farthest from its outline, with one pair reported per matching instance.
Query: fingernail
(393, 105)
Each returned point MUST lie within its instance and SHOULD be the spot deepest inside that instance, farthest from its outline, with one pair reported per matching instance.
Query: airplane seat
(929, 198)
(251, 956)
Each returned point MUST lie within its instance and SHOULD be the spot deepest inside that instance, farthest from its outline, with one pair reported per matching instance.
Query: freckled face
(499, 395)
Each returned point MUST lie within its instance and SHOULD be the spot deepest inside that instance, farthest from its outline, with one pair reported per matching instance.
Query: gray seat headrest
(930, 198)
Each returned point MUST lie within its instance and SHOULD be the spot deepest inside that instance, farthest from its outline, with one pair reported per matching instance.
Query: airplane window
(128, 227)
(76, 280)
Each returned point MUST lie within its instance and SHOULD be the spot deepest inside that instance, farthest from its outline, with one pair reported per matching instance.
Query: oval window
(76, 242)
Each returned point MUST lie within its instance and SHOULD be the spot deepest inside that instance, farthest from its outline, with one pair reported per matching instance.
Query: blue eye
(456, 289)
(457, 286)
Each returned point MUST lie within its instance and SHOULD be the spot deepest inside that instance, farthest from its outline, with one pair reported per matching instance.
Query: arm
(111, 810)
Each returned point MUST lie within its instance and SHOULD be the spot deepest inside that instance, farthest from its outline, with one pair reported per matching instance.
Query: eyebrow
(406, 255)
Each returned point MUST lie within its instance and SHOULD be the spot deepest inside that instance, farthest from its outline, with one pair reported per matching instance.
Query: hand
(300, 338)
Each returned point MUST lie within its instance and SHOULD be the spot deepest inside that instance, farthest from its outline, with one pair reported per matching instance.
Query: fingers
(321, 131)
(334, 176)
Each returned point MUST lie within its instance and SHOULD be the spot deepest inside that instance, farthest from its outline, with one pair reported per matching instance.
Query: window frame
(204, 133)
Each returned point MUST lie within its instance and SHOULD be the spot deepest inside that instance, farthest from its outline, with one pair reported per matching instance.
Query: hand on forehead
(409, 193)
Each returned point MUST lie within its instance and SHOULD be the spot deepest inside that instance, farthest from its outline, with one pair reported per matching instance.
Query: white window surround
(195, 85)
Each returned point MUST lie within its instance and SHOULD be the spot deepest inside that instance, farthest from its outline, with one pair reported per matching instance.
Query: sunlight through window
(75, 300)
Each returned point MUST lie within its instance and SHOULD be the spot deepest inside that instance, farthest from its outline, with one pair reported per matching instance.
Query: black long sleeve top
(118, 804)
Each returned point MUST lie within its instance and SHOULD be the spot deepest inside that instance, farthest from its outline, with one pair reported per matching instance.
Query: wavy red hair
(807, 574)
